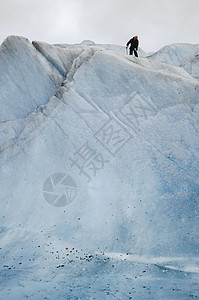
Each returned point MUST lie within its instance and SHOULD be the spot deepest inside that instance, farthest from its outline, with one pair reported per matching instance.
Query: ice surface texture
(98, 151)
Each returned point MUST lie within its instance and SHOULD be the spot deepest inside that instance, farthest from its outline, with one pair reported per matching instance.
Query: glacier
(99, 171)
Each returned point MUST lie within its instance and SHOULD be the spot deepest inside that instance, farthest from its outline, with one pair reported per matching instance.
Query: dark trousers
(131, 50)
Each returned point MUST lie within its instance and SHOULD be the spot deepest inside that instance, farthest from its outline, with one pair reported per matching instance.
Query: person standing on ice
(133, 46)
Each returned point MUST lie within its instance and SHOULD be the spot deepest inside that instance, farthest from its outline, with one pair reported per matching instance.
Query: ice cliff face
(99, 150)
(137, 117)
(27, 79)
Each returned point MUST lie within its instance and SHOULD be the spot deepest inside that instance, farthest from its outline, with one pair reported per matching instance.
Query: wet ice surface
(71, 273)
(99, 279)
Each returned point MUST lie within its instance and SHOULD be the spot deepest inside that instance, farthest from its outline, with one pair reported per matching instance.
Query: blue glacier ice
(99, 172)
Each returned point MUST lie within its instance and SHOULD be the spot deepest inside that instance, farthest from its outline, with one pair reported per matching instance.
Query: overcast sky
(156, 22)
